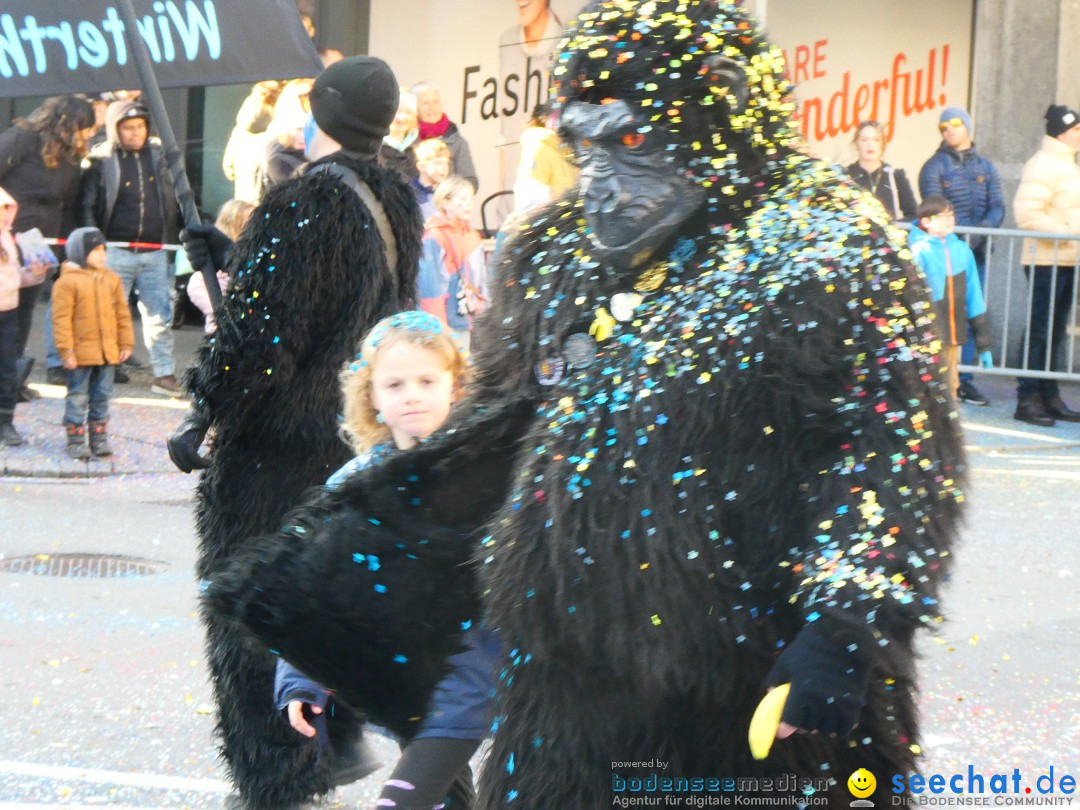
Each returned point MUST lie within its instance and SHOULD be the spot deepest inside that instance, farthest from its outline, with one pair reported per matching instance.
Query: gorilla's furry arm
(368, 588)
(881, 498)
(878, 492)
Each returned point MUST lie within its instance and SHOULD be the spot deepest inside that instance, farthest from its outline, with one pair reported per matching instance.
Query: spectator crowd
(79, 162)
(960, 184)
(87, 210)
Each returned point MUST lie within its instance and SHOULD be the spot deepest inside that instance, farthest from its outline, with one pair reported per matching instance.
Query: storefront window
(339, 24)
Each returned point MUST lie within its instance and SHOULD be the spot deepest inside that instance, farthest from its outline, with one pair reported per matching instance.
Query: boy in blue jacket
(949, 266)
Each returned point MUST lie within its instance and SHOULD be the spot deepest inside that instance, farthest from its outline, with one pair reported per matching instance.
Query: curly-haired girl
(400, 389)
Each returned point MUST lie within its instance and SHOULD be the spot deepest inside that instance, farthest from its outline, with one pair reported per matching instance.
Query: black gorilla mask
(634, 189)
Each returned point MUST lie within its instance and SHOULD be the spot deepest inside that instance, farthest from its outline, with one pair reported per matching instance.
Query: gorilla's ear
(727, 74)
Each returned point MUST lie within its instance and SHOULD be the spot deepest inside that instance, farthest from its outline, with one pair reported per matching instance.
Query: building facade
(1005, 60)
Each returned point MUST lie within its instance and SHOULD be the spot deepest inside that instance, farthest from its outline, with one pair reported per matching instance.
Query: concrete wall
(1068, 72)
(1025, 59)
(343, 24)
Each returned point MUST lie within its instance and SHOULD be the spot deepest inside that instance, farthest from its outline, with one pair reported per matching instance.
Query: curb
(139, 427)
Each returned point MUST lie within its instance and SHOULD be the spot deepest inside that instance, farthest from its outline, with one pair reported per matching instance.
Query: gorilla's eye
(633, 140)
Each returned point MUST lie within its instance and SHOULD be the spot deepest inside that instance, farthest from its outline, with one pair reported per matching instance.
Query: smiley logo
(861, 783)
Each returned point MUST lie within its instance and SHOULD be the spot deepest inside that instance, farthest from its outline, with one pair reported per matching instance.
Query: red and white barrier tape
(127, 245)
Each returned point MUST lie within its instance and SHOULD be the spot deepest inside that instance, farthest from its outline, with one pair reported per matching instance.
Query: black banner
(51, 47)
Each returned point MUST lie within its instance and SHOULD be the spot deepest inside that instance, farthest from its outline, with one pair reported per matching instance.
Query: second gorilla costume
(707, 452)
(309, 277)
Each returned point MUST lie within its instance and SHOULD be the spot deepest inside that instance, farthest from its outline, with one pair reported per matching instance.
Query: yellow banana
(766, 721)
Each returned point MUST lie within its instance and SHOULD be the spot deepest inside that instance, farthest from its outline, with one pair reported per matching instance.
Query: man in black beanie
(323, 258)
(354, 101)
(1047, 200)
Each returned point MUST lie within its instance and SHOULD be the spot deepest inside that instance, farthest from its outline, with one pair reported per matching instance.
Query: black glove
(828, 681)
(205, 244)
(185, 440)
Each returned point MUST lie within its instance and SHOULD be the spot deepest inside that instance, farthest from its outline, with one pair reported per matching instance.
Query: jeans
(9, 355)
(149, 274)
(91, 385)
(1046, 293)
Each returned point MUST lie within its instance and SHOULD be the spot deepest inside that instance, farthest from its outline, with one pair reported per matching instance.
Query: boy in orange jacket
(92, 327)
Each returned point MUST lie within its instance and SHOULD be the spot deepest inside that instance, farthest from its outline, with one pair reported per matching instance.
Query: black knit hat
(1059, 119)
(354, 101)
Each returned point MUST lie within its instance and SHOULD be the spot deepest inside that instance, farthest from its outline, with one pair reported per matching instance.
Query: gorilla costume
(309, 278)
(707, 452)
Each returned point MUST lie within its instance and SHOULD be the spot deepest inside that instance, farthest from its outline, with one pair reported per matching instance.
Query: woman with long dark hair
(39, 166)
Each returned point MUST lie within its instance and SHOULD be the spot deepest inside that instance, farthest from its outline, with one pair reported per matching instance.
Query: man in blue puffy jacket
(972, 186)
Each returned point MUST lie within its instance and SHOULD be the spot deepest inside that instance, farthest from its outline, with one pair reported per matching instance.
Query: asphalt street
(103, 685)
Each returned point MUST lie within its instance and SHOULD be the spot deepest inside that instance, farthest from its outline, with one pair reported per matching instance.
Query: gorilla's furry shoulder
(307, 278)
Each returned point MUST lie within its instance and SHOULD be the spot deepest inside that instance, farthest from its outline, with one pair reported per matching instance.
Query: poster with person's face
(492, 68)
(526, 52)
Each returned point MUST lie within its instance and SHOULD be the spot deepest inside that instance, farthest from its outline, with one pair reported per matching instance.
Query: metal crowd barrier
(1008, 291)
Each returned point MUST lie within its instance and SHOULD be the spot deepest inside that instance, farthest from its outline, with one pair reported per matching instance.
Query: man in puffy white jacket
(1048, 200)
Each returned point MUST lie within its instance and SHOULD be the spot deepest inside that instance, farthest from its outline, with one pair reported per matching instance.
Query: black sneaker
(9, 436)
(120, 376)
(55, 375)
(967, 392)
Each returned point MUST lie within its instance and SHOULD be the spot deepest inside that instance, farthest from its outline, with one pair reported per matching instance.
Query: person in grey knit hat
(127, 192)
(972, 185)
(81, 242)
(92, 327)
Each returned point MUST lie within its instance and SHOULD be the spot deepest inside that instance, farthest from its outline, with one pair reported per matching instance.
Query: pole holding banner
(173, 157)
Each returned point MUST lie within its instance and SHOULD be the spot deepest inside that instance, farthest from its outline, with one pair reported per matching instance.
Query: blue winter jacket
(462, 707)
(949, 266)
(970, 183)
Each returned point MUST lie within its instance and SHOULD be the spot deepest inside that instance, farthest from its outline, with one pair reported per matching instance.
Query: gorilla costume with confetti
(310, 277)
(707, 452)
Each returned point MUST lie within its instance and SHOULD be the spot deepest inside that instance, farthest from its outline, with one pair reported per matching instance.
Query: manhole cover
(82, 565)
